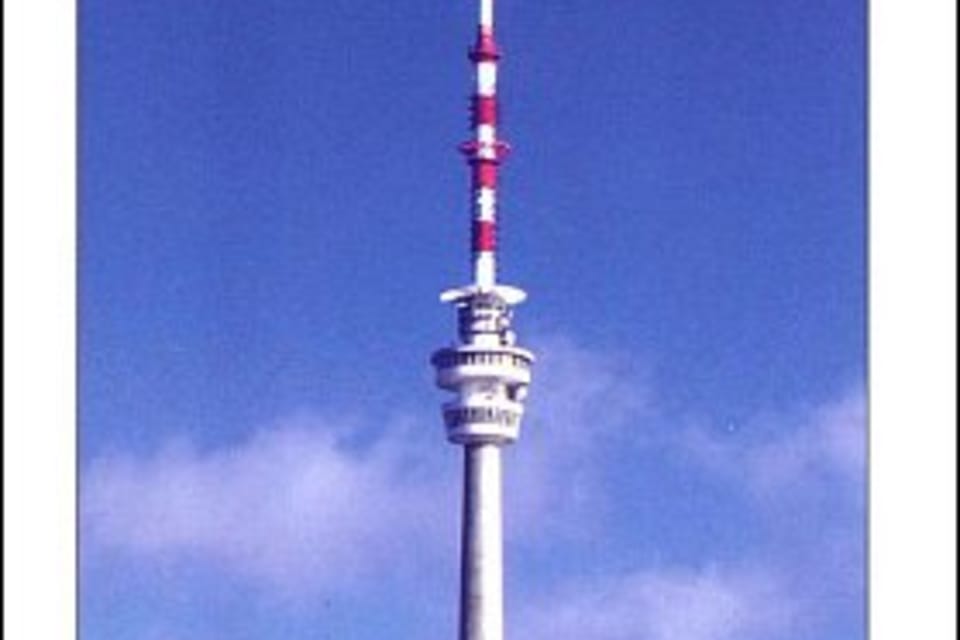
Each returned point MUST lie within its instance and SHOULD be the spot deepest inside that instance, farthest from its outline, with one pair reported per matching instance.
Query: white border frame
(912, 317)
(39, 487)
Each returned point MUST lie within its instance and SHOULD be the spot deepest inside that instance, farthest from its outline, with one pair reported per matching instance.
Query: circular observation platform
(491, 383)
(480, 420)
(466, 364)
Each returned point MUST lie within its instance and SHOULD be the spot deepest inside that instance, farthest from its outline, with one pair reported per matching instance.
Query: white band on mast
(486, 13)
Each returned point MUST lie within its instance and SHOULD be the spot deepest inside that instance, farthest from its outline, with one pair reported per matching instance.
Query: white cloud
(300, 506)
(831, 446)
(583, 404)
(828, 446)
(297, 506)
(661, 605)
(806, 487)
(292, 506)
(804, 478)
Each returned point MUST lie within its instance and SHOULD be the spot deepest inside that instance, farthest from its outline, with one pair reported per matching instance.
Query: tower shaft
(481, 562)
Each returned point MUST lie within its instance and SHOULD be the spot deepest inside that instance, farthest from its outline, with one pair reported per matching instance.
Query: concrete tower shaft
(481, 557)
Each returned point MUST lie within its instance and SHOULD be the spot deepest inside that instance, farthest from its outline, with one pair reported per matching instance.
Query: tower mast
(484, 152)
(486, 371)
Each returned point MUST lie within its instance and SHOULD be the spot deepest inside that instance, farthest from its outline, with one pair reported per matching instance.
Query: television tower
(486, 371)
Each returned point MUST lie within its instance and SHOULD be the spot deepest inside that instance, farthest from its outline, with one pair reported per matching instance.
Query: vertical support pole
(481, 575)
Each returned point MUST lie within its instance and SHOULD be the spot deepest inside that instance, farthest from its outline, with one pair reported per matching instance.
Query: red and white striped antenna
(485, 151)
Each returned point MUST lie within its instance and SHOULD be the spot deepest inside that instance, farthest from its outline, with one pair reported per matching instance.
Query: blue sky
(270, 203)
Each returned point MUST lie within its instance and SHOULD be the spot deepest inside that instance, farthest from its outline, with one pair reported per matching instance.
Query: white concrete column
(481, 571)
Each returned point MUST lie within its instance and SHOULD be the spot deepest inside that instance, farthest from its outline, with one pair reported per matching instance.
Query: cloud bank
(293, 506)
(301, 507)
(666, 604)
(829, 446)
(808, 486)
(298, 506)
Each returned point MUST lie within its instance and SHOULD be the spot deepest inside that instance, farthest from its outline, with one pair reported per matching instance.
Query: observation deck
(491, 382)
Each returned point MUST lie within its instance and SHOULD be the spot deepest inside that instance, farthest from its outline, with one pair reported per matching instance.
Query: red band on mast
(485, 49)
(485, 174)
(484, 235)
(484, 110)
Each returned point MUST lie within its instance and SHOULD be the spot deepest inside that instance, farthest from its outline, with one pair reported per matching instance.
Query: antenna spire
(484, 152)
